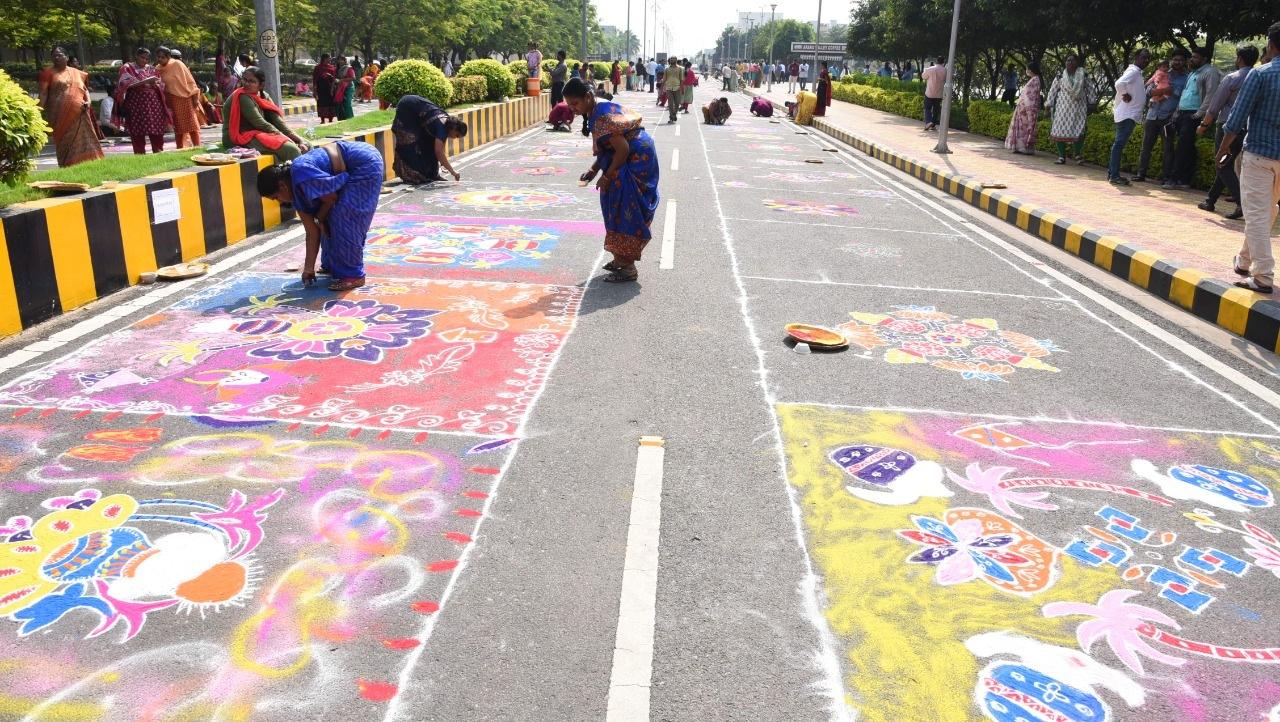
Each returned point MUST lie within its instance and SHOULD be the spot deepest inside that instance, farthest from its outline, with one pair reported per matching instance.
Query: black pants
(651, 83)
(557, 93)
(1227, 178)
(1154, 131)
(932, 110)
(1185, 154)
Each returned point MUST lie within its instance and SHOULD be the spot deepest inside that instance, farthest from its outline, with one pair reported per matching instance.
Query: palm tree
(988, 482)
(1121, 624)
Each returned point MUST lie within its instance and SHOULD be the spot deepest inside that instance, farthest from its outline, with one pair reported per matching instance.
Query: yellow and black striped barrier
(1239, 311)
(57, 254)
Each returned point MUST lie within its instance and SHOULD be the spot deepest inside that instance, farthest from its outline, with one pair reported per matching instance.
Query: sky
(695, 24)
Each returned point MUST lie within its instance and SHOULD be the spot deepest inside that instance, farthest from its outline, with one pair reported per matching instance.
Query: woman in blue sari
(335, 189)
(629, 186)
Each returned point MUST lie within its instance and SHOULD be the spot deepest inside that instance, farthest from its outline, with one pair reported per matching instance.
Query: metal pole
(817, 39)
(644, 34)
(584, 36)
(626, 54)
(951, 76)
(268, 45)
(773, 29)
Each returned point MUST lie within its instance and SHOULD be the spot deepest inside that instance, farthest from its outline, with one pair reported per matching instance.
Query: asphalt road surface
(1021, 491)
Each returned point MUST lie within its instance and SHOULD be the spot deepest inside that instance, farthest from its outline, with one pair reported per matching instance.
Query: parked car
(305, 63)
(109, 63)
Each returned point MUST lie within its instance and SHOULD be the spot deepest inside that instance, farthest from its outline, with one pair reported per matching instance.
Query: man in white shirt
(804, 75)
(1131, 97)
(653, 73)
(935, 77)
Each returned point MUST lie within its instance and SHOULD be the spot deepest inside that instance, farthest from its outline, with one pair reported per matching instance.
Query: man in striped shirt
(1257, 108)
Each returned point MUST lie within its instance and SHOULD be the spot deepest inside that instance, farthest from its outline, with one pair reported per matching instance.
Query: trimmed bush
(991, 118)
(501, 83)
(520, 69)
(908, 105)
(875, 81)
(414, 77)
(469, 89)
(23, 131)
(600, 71)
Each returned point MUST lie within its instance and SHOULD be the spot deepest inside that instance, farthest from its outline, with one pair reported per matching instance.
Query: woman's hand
(606, 179)
(585, 178)
(303, 145)
(456, 176)
(308, 275)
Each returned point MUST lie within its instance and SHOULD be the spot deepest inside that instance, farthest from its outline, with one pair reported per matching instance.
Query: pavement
(1166, 222)
(1015, 492)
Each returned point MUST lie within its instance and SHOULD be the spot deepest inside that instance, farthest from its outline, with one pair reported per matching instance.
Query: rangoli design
(801, 177)
(459, 355)
(976, 348)
(968, 544)
(538, 170)
(810, 208)
(506, 199)
(124, 558)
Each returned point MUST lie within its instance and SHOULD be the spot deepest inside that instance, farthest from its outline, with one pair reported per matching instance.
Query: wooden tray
(816, 335)
(59, 187)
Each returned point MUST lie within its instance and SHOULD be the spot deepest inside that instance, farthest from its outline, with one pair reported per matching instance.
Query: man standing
(673, 84)
(653, 73)
(1131, 96)
(533, 59)
(1258, 109)
(1010, 85)
(1201, 84)
(1164, 91)
(1218, 110)
(793, 76)
(559, 76)
(935, 76)
(726, 73)
(804, 75)
(642, 72)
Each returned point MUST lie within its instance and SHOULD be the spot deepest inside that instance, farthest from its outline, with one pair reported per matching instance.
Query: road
(1019, 490)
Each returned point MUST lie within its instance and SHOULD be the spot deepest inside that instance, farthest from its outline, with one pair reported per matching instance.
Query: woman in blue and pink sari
(629, 186)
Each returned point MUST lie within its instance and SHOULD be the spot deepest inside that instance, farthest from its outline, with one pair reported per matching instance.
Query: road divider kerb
(1236, 310)
(57, 254)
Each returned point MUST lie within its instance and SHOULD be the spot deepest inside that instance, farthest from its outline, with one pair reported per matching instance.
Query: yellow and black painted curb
(1241, 312)
(299, 108)
(60, 253)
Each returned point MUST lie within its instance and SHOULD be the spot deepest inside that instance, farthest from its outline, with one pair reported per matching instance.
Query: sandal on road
(611, 267)
(622, 275)
(346, 284)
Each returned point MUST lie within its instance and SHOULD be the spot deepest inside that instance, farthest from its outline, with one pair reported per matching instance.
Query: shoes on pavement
(1060, 161)
(1139, 179)
(1205, 206)
(1119, 181)
(1080, 160)
(1252, 284)
(1175, 186)
(1235, 215)
(1240, 269)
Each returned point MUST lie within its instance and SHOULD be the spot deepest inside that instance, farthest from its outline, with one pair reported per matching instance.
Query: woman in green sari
(344, 89)
(253, 121)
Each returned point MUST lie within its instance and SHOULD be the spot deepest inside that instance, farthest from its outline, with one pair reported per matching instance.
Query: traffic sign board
(823, 48)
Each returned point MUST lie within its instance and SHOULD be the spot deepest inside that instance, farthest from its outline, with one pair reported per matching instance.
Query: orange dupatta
(245, 137)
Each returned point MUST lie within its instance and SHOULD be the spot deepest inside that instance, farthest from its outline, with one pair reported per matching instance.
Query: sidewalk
(1166, 224)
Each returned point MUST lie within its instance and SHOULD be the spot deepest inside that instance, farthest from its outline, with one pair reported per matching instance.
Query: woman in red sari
(140, 104)
(322, 78)
(824, 91)
(64, 96)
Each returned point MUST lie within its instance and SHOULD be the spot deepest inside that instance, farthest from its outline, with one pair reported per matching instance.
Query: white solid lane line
(675, 159)
(667, 260)
(638, 604)
(677, 131)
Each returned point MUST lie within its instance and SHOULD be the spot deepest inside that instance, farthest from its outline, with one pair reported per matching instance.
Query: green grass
(368, 121)
(113, 167)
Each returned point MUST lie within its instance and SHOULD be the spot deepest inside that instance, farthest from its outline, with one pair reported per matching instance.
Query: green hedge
(601, 71)
(469, 89)
(22, 131)
(991, 118)
(501, 83)
(909, 105)
(875, 81)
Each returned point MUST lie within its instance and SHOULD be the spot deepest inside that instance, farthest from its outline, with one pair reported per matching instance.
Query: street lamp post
(584, 32)
(951, 75)
(773, 30)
